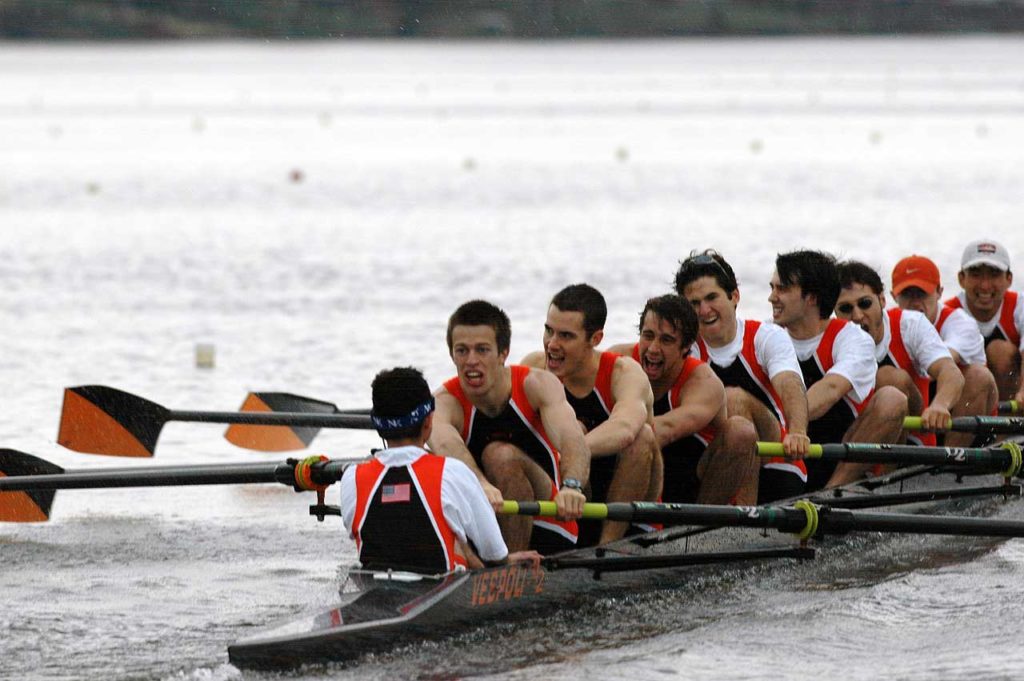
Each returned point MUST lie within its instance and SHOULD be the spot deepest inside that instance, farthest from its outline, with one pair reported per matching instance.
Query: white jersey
(987, 328)
(853, 357)
(921, 340)
(463, 502)
(960, 333)
(772, 348)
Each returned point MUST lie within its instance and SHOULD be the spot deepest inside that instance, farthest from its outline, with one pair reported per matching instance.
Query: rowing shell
(382, 611)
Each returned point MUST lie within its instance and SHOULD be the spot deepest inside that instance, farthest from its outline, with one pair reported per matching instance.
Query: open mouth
(473, 378)
(554, 362)
(652, 367)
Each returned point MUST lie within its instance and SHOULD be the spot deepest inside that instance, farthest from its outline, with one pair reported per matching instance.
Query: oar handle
(917, 423)
(775, 449)
(549, 509)
(1011, 407)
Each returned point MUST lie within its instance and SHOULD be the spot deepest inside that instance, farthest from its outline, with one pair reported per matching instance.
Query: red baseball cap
(915, 270)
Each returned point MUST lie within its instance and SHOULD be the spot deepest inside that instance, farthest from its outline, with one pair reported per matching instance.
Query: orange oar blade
(96, 419)
(277, 438)
(25, 507)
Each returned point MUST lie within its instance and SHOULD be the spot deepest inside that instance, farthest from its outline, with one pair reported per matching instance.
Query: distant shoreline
(113, 20)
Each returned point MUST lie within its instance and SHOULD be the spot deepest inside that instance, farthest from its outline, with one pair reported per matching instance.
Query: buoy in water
(205, 353)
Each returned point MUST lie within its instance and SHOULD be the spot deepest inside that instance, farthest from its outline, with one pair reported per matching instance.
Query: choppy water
(316, 212)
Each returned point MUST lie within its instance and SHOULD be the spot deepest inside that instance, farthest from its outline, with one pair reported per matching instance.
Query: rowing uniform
(911, 343)
(961, 335)
(758, 353)
(407, 508)
(844, 349)
(680, 457)
(592, 410)
(520, 425)
(1007, 324)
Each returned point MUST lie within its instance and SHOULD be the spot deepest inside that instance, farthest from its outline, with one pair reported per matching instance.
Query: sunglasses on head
(864, 303)
(706, 260)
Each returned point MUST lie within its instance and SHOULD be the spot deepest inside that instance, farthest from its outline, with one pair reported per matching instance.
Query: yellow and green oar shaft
(974, 424)
(1011, 407)
(802, 518)
(1004, 458)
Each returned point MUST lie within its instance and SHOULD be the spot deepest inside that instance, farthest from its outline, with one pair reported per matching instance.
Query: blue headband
(413, 418)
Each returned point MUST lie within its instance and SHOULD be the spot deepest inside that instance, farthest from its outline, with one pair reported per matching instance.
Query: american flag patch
(395, 494)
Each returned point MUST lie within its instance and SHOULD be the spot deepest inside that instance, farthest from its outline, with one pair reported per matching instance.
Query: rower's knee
(888, 403)
(1002, 357)
(899, 379)
(498, 458)
(980, 392)
(739, 436)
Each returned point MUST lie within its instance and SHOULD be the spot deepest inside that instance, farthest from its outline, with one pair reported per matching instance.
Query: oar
(1004, 458)
(97, 419)
(275, 438)
(974, 424)
(803, 518)
(1011, 407)
(28, 483)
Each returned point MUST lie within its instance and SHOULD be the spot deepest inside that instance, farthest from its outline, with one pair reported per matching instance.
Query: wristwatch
(573, 483)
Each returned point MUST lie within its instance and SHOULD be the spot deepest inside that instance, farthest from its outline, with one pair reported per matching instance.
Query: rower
(709, 457)
(612, 400)
(985, 278)
(837, 360)
(408, 509)
(916, 285)
(757, 365)
(513, 427)
(909, 351)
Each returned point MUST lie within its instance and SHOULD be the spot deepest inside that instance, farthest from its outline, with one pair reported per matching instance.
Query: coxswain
(514, 429)
(837, 359)
(612, 400)
(408, 509)
(909, 351)
(758, 366)
(709, 457)
(985, 278)
(916, 285)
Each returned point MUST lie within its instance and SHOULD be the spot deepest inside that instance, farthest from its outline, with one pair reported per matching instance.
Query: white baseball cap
(985, 252)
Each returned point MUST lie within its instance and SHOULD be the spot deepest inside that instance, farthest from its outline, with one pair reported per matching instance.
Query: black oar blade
(25, 507)
(277, 438)
(96, 419)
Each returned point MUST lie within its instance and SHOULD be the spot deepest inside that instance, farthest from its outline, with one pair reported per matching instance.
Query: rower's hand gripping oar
(28, 483)
(1005, 458)
(974, 424)
(275, 438)
(803, 518)
(97, 419)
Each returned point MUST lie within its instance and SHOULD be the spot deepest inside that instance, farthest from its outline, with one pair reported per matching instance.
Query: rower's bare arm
(535, 359)
(790, 387)
(702, 402)
(825, 393)
(949, 383)
(956, 356)
(446, 439)
(624, 349)
(546, 394)
(633, 408)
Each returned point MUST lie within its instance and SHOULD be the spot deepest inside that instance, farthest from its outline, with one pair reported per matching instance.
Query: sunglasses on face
(863, 304)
